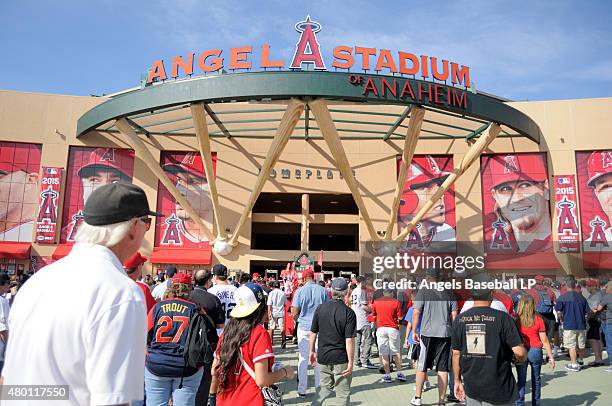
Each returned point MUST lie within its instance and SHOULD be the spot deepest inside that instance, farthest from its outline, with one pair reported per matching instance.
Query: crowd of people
(207, 338)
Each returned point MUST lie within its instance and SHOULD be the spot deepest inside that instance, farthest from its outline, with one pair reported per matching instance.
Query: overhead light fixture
(333, 202)
(277, 201)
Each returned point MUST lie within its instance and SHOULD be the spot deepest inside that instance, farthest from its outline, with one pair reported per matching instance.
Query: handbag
(272, 395)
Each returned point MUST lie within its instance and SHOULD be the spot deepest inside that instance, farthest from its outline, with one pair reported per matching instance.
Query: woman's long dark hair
(235, 334)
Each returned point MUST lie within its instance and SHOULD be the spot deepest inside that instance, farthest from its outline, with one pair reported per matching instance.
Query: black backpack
(201, 342)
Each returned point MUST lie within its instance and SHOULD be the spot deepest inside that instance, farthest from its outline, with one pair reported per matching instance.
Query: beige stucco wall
(567, 126)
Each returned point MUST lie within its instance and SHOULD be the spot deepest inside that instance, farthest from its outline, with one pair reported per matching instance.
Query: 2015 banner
(566, 218)
(46, 221)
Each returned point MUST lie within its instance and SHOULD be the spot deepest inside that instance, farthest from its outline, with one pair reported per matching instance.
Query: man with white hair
(90, 339)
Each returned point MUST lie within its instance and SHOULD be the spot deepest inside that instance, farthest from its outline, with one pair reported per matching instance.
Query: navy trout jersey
(168, 325)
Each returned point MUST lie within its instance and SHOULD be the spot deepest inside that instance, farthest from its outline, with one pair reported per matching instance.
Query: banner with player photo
(436, 231)
(46, 221)
(516, 207)
(19, 179)
(88, 169)
(177, 229)
(566, 216)
(594, 170)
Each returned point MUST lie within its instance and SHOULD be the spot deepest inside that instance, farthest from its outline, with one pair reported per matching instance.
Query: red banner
(436, 230)
(177, 229)
(594, 171)
(46, 221)
(88, 169)
(566, 218)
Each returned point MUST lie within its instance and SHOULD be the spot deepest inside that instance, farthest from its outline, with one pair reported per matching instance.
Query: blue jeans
(606, 329)
(159, 389)
(534, 358)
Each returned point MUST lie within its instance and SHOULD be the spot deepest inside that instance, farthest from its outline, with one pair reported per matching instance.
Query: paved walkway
(591, 386)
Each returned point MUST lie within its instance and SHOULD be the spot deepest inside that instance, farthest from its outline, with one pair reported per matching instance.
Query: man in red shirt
(133, 268)
(387, 313)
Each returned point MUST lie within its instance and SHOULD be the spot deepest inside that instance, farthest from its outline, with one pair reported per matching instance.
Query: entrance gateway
(315, 107)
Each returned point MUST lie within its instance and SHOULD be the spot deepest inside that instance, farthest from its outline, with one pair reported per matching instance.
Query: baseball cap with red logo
(512, 168)
(135, 260)
(20, 157)
(182, 278)
(191, 163)
(105, 159)
(424, 170)
(600, 164)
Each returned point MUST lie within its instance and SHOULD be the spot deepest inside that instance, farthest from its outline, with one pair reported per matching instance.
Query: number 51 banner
(566, 218)
(46, 222)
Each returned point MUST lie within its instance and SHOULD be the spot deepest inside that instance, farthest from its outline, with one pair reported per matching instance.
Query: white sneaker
(416, 402)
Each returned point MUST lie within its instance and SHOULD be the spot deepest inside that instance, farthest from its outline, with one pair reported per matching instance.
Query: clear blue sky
(536, 50)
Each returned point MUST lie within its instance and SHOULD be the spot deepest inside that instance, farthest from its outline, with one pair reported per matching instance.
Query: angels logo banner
(594, 170)
(19, 180)
(515, 203)
(436, 231)
(566, 217)
(46, 221)
(88, 169)
(177, 229)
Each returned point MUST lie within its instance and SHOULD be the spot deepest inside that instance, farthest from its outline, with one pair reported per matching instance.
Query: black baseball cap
(339, 284)
(170, 270)
(114, 203)
(219, 270)
(4, 279)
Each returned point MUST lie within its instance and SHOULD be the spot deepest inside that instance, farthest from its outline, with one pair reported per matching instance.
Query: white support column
(144, 154)
(474, 152)
(330, 134)
(283, 133)
(410, 142)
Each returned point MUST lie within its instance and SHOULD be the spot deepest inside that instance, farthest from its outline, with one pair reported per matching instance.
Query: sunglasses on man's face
(147, 221)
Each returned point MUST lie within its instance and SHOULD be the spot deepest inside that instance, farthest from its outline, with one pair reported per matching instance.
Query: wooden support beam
(201, 129)
(216, 119)
(305, 221)
(472, 155)
(397, 123)
(410, 143)
(143, 153)
(330, 134)
(283, 133)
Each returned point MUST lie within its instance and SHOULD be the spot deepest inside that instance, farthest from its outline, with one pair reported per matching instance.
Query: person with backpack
(573, 308)
(168, 372)
(242, 370)
(533, 331)
(545, 301)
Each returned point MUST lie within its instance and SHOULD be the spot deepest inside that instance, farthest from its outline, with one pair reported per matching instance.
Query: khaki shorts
(277, 322)
(571, 338)
(388, 340)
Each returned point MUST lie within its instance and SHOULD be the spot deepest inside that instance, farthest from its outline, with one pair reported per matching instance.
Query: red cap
(20, 157)
(265, 279)
(134, 261)
(255, 275)
(191, 163)
(512, 168)
(600, 163)
(424, 170)
(182, 278)
(107, 158)
(308, 274)
(591, 283)
(539, 278)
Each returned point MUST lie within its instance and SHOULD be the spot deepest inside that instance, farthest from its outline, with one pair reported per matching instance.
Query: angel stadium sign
(309, 55)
